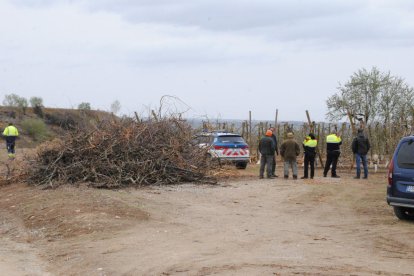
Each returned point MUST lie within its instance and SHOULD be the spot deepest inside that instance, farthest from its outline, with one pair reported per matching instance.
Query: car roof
(407, 138)
(217, 133)
(227, 134)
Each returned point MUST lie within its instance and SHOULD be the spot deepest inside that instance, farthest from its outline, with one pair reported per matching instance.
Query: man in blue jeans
(360, 147)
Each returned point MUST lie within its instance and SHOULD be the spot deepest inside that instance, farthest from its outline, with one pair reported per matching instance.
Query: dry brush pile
(122, 153)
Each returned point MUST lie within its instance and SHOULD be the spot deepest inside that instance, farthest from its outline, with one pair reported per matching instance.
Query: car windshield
(405, 157)
(230, 139)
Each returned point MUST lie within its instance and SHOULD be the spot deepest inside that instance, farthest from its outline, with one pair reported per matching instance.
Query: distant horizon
(199, 118)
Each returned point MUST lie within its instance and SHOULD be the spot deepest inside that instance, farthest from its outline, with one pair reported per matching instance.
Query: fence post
(250, 127)
(277, 111)
(353, 133)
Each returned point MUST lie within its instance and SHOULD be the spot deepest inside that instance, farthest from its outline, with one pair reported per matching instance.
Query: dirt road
(245, 227)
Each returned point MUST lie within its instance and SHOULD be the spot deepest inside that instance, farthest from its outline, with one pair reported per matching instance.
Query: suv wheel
(404, 213)
(241, 165)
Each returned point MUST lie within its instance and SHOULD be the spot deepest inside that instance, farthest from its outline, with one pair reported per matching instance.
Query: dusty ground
(240, 227)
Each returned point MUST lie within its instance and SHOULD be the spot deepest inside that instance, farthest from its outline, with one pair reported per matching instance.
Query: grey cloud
(217, 15)
(223, 15)
(322, 20)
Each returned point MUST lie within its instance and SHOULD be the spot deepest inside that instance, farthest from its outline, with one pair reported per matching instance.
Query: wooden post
(322, 141)
(137, 117)
(278, 134)
(319, 144)
(260, 130)
(311, 126)
(351, 120)
(370, 139)
(277, 111)
(250, 127)
(154, 115)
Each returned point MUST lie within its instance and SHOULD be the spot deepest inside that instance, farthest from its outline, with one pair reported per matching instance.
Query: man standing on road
(10, 133)
(267, 152)
(309, 147)
(290, 150)
(360, 147)
(333, 143)
(276, 152)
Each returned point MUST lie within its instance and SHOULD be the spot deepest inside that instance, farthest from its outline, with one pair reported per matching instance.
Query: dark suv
(400, 190)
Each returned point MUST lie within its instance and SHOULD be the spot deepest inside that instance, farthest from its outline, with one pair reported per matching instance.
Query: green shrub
(84, 106)
(36, 101)
(13, 100)
(37, 109)
(35, 128)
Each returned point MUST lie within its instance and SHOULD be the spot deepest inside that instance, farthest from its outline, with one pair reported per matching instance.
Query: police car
(225, 147)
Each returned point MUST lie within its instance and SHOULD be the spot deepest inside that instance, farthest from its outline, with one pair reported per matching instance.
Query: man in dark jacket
(267, 151)
(276, 151)
(290, 150)
(360, 147)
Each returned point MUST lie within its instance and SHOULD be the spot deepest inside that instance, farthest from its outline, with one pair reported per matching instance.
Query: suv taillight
(390, 171)
(244, 147)
(218, 147)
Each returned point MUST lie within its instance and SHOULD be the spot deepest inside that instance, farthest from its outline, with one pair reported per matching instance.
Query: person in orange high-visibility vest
(11, 133)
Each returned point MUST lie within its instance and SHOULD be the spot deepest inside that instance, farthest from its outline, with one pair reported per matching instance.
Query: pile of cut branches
(122, 153)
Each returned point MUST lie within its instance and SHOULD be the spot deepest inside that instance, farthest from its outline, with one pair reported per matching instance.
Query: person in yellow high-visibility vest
(333, 143)
(11, 133)
(309, 147)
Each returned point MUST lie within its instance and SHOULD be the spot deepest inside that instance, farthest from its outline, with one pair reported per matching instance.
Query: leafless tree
(115, 107)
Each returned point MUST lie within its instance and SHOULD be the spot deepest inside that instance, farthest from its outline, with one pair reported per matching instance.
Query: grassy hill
(38, 125)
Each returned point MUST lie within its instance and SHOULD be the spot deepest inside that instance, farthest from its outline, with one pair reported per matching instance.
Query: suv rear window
(230, 139)
(202, 140)
(405, 156)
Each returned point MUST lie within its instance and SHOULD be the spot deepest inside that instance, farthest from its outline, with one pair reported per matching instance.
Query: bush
(35, 128)
(84, 106)
(36, 101)
(37, 109)
(13, 100)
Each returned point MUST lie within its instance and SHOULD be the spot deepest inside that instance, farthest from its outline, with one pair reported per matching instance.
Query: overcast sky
(222, 58)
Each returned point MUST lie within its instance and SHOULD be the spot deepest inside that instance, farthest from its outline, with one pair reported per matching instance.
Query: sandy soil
(241, 227)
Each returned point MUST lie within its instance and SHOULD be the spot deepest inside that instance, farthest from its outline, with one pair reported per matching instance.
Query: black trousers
(331, 158)
(10, 143)
(309, 160)
(266, 160)
(10, 147)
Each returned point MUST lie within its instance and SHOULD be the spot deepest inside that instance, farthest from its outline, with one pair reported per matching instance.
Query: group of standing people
(290, 150)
